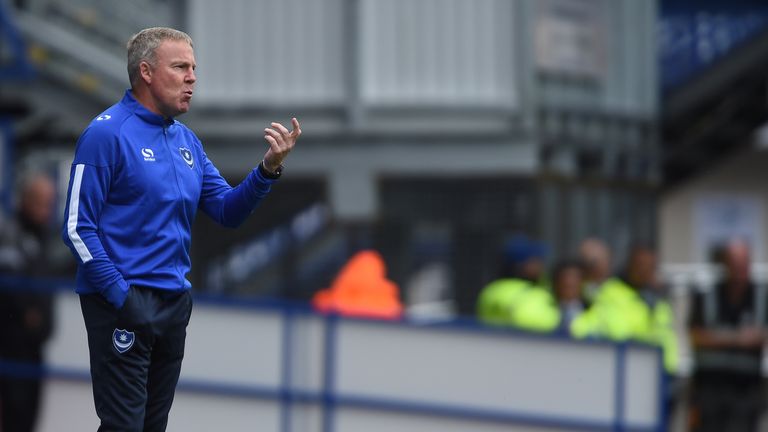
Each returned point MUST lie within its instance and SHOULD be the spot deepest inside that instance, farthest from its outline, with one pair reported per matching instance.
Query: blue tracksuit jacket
(136, 183)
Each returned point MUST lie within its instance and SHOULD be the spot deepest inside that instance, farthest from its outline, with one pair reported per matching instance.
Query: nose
(191, 78)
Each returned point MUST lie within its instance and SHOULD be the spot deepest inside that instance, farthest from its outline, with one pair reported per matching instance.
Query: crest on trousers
(122, 340)
(186, 154)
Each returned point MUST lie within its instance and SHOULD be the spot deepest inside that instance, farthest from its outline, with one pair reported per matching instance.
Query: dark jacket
(26, 312)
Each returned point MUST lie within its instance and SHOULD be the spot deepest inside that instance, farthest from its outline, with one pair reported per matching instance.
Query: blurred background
(437, 133)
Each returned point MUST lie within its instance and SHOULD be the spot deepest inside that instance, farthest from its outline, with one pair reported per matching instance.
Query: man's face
(532, 268)
(642, 269)
(737, 263)
(38, 201)
(596, 256)
(568, 284)
(172, 77)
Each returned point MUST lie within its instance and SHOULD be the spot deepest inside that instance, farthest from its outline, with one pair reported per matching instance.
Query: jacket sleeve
(227, 205)
(91, 175)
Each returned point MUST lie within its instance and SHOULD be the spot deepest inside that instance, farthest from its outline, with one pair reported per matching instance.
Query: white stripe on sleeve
(74, 207)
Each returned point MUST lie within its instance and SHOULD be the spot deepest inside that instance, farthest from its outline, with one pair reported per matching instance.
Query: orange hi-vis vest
(361, 289)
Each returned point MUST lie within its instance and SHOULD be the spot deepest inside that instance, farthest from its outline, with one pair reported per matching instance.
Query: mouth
(187, 95)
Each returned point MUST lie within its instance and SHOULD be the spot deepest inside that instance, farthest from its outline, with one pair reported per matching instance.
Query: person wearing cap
(544, 310)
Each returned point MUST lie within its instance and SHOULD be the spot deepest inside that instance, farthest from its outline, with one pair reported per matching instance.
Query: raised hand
(281, 142)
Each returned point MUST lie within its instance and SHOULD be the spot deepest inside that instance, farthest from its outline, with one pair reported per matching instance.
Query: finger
(273, 144)
(281, 128)
(276, 135)
(296, 127)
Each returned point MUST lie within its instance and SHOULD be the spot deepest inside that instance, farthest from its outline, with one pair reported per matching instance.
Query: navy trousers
(136, 355)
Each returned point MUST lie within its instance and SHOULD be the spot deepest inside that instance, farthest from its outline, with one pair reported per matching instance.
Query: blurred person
(630, 307)
(633, 307)
(25, 313)
(137, 180)
(522, 268)
(567, 282)
(429, 294)
(661, 329)
(361, 289)
(596, 258)
(618, 311)
(541, 309)
(661, 320)
(728, 335)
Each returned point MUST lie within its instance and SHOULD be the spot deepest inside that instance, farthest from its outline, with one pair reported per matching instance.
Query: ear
(145, 70)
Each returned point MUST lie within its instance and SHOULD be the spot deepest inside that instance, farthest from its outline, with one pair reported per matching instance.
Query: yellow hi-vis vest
(618, 313)
(518, 303)
(662, 333)
(536, 310)
(496, 301)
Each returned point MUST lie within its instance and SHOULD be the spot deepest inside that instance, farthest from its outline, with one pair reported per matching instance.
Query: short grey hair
(142, 46)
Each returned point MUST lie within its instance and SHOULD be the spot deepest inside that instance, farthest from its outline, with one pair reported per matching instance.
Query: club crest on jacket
(186, 154)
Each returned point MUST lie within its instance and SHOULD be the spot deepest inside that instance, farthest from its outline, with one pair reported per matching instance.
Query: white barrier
(281, 369)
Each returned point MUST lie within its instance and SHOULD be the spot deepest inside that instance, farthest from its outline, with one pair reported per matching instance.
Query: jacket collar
(143, 113)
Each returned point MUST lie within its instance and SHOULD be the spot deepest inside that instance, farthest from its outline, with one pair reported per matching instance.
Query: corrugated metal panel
(256, 52)
(630, 84)
(424, 53)
(606, 45)
(437, 52)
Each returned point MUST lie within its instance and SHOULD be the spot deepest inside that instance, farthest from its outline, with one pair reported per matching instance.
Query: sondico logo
(148, 154)
(103, 117)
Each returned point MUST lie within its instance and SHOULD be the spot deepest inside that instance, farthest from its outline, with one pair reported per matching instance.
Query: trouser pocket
(137, 309)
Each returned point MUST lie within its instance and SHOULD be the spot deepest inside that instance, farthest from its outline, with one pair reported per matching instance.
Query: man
(596, 257)
(728, 335)
(618, 312)
(631, 308)
(25, 314)
(137, 180)
(661, 317)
